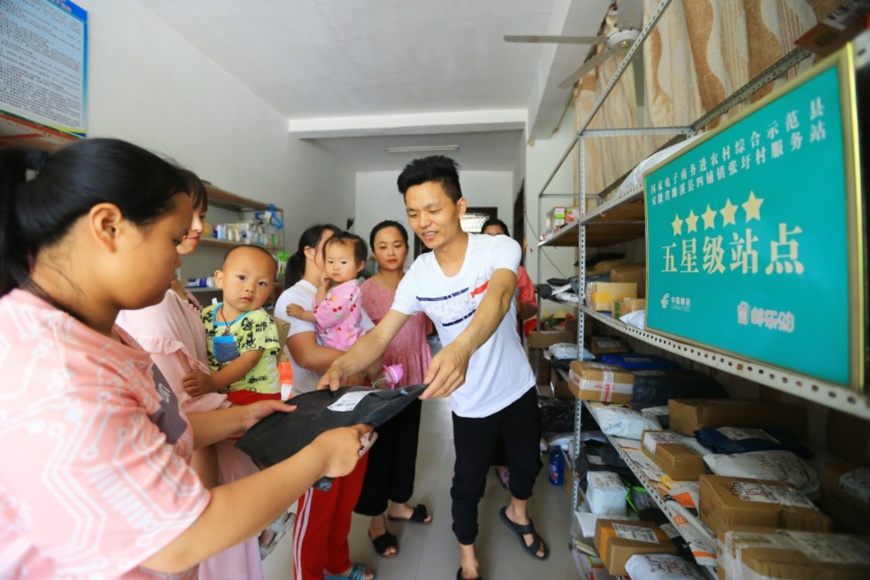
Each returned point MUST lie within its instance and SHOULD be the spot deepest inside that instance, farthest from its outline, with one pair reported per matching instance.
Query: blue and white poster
(751, 232)
(43, 63)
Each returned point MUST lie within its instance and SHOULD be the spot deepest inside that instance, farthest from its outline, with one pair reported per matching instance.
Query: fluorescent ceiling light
(421, 148)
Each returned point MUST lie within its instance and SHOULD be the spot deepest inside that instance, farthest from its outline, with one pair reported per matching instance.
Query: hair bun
(35, 159)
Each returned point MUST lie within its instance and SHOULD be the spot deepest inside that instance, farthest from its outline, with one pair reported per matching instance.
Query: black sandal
(383, 543)
(418, 517)
(537, 541)
(459, 575)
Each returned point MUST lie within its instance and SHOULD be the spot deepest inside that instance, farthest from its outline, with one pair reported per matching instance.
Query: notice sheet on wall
(43, 65)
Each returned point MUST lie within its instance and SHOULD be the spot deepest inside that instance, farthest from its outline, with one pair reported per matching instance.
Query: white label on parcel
(833, 548)
(635, 533)
(738, 434)
(770, 494)
(348, 402)
(857, 483)
(605, 480)
(653, 438)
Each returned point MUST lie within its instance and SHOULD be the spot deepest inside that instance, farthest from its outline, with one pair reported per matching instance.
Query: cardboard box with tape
(601, 295)
(846, 494)
(726, 502)
(631, 273)
(689, 415)
(781, 554)
(544, 338)
(592, 381)
(619, 540)
(627, 306)
(672, 456)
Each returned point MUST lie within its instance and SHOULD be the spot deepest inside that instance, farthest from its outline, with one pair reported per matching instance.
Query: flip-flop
(537, 541)
(384, 542)
(459, 576)
(357, 572)
(418, 517)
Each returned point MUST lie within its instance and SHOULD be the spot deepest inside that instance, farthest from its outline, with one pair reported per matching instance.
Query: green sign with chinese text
(749, 233)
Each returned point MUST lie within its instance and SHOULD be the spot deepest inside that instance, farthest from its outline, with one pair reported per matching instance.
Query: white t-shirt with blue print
(498, 372)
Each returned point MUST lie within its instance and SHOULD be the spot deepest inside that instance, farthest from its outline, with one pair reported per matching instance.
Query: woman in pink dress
(174, 335)
(99, 484)
(389, 480)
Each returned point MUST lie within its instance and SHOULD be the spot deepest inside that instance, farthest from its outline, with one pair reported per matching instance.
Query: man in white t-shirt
(466, 287)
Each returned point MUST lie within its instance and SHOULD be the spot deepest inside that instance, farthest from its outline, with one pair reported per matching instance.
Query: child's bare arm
(322, 290)
(235, 370)
(198, 383)
(297, 311)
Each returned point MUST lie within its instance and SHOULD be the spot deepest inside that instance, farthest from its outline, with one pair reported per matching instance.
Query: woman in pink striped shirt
(97, 480)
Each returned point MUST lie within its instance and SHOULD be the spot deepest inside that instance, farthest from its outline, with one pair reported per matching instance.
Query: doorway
(471, 222)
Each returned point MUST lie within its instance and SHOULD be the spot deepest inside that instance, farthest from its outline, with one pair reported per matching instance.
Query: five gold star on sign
(751, 207)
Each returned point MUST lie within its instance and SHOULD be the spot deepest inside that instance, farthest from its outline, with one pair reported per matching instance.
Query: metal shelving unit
(621, 218)
(668, 506)
(809, 388)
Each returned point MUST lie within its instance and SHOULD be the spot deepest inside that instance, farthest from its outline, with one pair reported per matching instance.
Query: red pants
(322, 525)
(248, 397)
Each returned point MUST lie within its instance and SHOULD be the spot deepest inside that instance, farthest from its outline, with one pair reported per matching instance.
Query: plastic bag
(619, 421)
(654, 388)
(767, 466)
(282, 435)
(605, 493)
(662, 567)
(729, 440)
(557, 416)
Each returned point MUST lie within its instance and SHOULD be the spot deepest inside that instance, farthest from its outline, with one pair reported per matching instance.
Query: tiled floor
(431, 552)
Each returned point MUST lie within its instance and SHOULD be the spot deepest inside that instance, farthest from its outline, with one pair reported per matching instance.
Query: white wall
(149, 85)
(541, 159)
(378, 198)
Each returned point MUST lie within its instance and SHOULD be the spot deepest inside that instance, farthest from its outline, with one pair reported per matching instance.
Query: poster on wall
(43, 71)
(753, 232)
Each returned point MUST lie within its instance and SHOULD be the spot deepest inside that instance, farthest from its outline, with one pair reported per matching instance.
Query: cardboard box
(619, 540)
(544, 338)
(601, 295)
(773, 554)
(631, 273)
(543, 376)
(605, 266)
(561, 389)
(591, 381)
(726, 502)
(848, 436)
(835, 30)
(606, 345)
(689, 415)
(672, 456)
(628, 305)
(846, 494)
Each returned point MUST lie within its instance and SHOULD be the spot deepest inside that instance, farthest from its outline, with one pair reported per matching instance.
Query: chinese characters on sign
(43, 56)
(747, 235)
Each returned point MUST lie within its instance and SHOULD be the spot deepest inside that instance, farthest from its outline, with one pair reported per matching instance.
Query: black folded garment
(282, 435)
(653, 388)
(730, 440)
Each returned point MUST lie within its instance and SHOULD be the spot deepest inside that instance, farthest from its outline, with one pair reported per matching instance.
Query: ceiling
(358, 76)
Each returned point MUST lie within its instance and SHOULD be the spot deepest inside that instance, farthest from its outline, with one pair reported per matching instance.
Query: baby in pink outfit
(338, 314)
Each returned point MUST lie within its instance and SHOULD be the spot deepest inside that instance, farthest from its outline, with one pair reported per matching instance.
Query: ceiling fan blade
(587, 66)
(639, 88)
(555, 39)
(629, 14)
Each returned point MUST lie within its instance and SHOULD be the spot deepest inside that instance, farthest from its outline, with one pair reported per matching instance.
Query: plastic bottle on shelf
(285, 377)
(556, 475)
(389, 377)
(200, 282)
